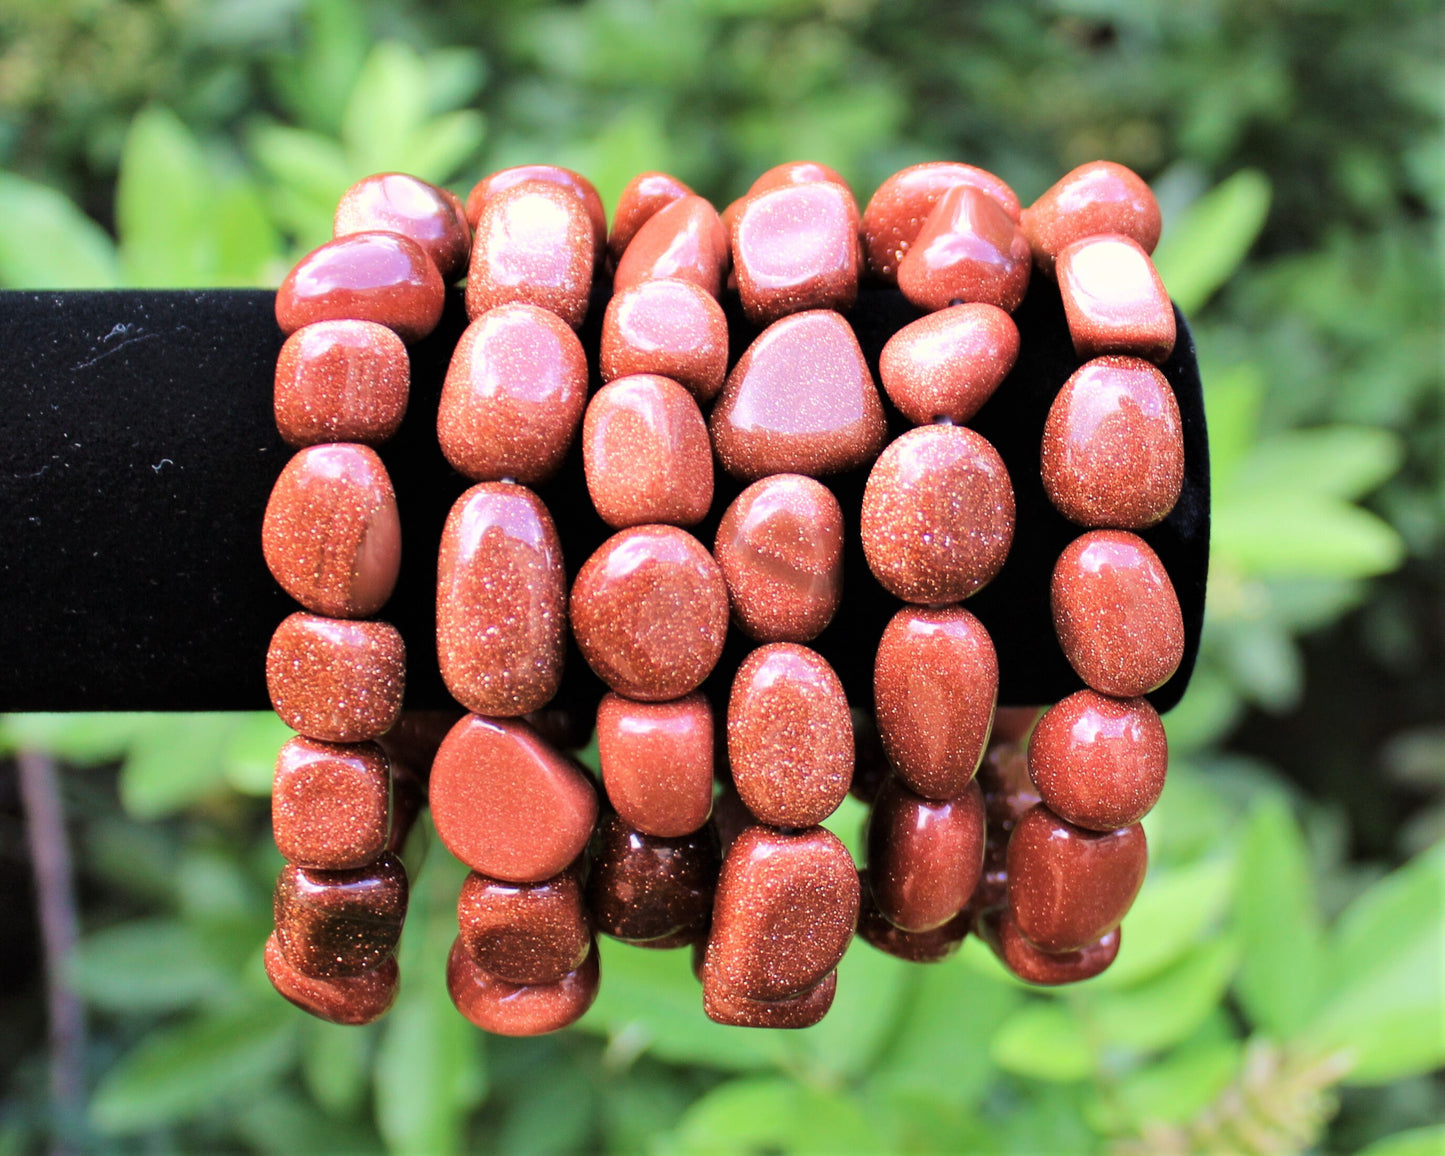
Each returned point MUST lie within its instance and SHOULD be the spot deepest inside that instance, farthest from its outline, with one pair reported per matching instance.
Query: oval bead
(657, 762)
(501, 601)
(685, 241)
(672, 328)
(946, 365)
(938, 515)
(1114, 299)
(643, 197)
(790, 736)
(800, 400)
(341, 381)
(336, 680)
(795, 247)
(534, 246)
(345, 999)
(331, 534)
(646, 454)
(509, 1009)
(780, 547)
(935, 685)
(1068, 887)
(1116, 613)
(784, 914)
(648, 889)
(650, 612)
(1113, 448)
(331, 804)
(803, 1010)
(924, 857)
(1098, 197)
(331, 923)
(575, 184)
(524, 933)
(896, 212)
(968, 250)
(513, 397)
(1046, 969)
(380, 277)
(912, 946)
(1099, 762)
(508, 805)
(397, 203)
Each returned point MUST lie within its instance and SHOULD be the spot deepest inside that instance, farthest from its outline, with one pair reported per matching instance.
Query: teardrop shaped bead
(897, 211)
(968, 250)
(947, 364)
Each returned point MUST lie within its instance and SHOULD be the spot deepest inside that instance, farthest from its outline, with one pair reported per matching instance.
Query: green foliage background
(1280, 987)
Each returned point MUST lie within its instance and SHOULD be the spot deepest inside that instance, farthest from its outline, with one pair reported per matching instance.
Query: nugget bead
(725, 1005)
(657, 762)
(524, 933)
(336, 680)
(795, 247)
(534, 245)
(352, 1000)
(947, 364)
(668, 327)
(575, 184)
(331, 804)
(969, 249)
(644, 196)
(651, 890)
(380, 277)
(1047, 969)
(1098, 197)
(1114, 299)
(341, 381)
(510, 1009)
(332, 923)
(912, 946)
(924, 856)
(903, 202)
(684, 241)
(397, 203)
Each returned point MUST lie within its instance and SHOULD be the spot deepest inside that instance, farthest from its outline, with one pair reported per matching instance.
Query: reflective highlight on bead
(380, 277)
(1114, 299)
(341, 381)
(947, 364)
(509, 1009)
(924, 856)
(657, 762)
(336, 680)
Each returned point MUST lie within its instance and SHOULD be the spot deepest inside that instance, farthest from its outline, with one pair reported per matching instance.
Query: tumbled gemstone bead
(935, 683)
(533, 245)
(509, 1009)
(336, 680)
(784, 914)
(1099, 762)
(341, 381)
(938, 515)
(646, 453)
(730, 815)
(969, 249)
(685, 241)
(644, 196)
(1098, 197)
(380, 277)
(1047, 969)
(525, 933)
(331, 534)
(667, 327)
(397, 203)
(657, 762)
(645, 888)
(800, 400)
(946, 365)
(506, 804)
(331, 923)
(790, 736)
(650, 612)
(1113, 448)
(924, 856)
(331, 804)
(795, 247)
(501, 601)
(1116, 613)
(344, 999)
(896, 212)
(798, 173)
(1067, 887)
(574, 184)
(513, 396)
(1114, 299)
(723, 1005)
(912, 946)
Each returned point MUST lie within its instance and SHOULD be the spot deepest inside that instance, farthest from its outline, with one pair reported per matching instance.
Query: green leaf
(1045, 1041)
(314, 88)
(441, 147)
(336, 1062)
(245, 242)
(81, 739)
(1202, 250)
(1168, 1008)
(163, 205)
(1174, 1087)
(310, 163)
(46, 242)
(174, 761)
(1275, 534)
(774, 1115)
(250, 758)
(387, 106)
(1341, 461)
(1416, 1142)
(282, 1124)
(148, 965)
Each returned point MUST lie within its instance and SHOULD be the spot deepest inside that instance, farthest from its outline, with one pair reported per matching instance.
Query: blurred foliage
(1280, 983)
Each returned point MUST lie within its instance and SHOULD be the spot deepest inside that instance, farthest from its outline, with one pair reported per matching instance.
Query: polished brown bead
(331, 923)
(946, 365)
(730, 815)
(786, 906)
(657, 762)
(1008, 795)
(650, 612)
(798, 173)
(685, 241)
(510, 1009)
(924, 856)
(795, 247)
(645, 195)
(1098, 197)
(1047, 969)
(896, 213)
(501, 601)
(1114, 299)
(645, 888)
(969, 250)
(341, 381)
(938, 515)
(513, 397)
(336, 680)
(508, 805)
(870, 764)
(331, 534)
(780, 547)
(1116, 613)
(1099, 762)
(935, 685)
(574, 184)
(724, 1005)
(1113, 448)
(331, 804)
(790, 736)
(912, 946)
(1067, 887)
(533, 245)
(397, 203)
(668, 327)
(800, 400)
(381, 277)
(646, 453)
(525, 933)
(352, 1000)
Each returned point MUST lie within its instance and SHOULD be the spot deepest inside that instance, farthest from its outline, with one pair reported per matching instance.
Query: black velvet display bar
(139, 448)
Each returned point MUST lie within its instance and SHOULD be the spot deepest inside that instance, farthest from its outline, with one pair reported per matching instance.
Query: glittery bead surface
(336, 680)
(509, 1009)
(341, 381)
(924, 856)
